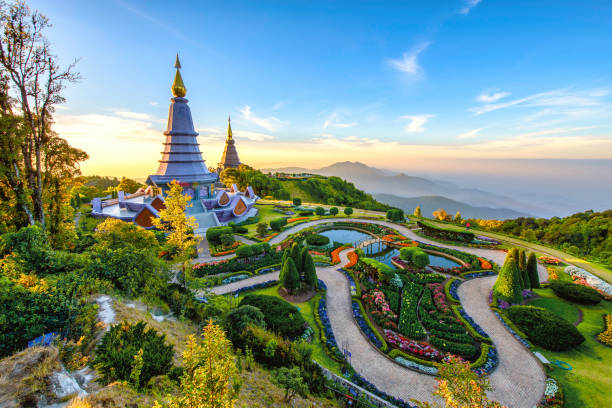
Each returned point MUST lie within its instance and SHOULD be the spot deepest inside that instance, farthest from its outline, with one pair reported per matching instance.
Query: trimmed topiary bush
(545, 328)
(508, 284)
(317, 239)
(280, 316)
(575, 293)
(532, 271)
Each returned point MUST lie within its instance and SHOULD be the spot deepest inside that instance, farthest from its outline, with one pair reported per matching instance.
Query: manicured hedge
(474, 329)
(278, 223)
(399, 353)
(465, 350)
(575, 293)
(450, 289)
(446, 234)
(317, 240)
(280, 316)
(544, 328)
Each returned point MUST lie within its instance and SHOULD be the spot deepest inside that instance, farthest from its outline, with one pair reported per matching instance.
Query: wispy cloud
(335, 120)
(218, 134)
(468, 5)
(492, 96)
(409, 63)
(417, 122)
(270, 123)
(469, 134)
(555, 99)
(280, 104)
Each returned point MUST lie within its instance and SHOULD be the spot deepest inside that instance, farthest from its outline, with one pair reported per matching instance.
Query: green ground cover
(307, 311)
(589, 382)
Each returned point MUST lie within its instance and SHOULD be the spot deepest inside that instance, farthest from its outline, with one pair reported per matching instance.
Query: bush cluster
(280, 316)
(415, 257)
(575, 293)
(544, 328)
(317, 239)
(214, 234)
(247, 251)
(278, 223)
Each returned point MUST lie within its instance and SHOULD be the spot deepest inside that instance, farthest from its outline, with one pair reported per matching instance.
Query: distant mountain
(429, 204)
(377, 181)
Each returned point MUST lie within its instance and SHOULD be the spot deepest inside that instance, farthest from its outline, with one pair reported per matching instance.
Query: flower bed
(354, 289)
(439, 297)
(235, 278)
(471, 325)
(606, 336)
(451, 289)
(409, 324)
(378, 307)
(456, 270)
(487, 361)
(327, 334)
(553, 394)
(480, 274)
(421, 349)
(269, 237)
(549, 260)
(335, 254)
(290, 220)
(256, 286)
(353, 258)
(416, 366)
(366, 326)
(484, 264)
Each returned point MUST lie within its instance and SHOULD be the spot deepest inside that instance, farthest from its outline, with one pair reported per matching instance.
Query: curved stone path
(519, 379)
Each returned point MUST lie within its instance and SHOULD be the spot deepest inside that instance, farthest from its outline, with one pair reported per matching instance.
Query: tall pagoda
(230, 155)
(181, 159)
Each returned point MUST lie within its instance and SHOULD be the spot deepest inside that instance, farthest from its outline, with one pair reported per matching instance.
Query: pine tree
(302, 267)
(507, 286)
(283, 261)
(291, 277)
(532, 271)
(310, 272)
(296, 255)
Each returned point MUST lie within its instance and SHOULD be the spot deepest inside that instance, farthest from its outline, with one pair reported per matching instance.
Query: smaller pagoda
(230, 157)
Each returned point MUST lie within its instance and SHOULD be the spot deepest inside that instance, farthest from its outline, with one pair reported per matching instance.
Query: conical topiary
(302, 267)
(296, 255)
(291, 278)
(507, 286)
(522, 264)
(310, 272)
(532, 271)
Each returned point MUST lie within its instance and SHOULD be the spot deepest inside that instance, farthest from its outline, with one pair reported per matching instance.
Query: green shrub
(575, 293)
(297, 201)
(464, 350)
(532, 271)
(395, 214)
(244, 251)
(333, 211)
(280, 316)
(278, 223)
(236, 320)
(317, 239)
(544, 328)
(115, 354)
(213, 234)
(508, 284)
(320, 211)
(348, 211)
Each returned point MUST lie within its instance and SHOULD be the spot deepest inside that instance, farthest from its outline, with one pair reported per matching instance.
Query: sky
(400, 85)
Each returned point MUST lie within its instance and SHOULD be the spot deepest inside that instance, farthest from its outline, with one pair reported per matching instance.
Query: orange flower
(335, 254)
(353, 258)
(290, 220)
(269, 237)
(484, 264)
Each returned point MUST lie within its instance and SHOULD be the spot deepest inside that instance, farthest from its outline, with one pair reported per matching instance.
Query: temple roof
(230, 157)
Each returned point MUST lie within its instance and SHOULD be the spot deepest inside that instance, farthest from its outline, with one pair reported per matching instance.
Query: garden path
(518, 381)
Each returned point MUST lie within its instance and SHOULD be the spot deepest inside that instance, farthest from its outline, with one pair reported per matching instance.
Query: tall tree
(37, 82)
(310, 272)
(532, 271)
(174, 220)
(291, 277)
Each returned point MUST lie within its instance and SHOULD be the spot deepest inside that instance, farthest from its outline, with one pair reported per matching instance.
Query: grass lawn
(307, 311)
(589, 382)
(561, 308)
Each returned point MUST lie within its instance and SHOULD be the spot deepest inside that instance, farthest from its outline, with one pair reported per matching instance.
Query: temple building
(230, 157)
(181, 159)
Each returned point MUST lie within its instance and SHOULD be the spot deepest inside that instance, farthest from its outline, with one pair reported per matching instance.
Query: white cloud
(156, 104)
(491, 96)
(280, 104)
(408, 63)
(469, 134)
(335, 120)
(469, 4)
(556, 100)
(416, 122)
(217, 134)
(271, 123)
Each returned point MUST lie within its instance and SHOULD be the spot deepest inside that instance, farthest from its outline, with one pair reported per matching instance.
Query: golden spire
(229, 127)
(178, 87)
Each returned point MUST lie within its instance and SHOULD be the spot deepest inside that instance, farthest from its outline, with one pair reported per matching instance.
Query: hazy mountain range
(406, 192)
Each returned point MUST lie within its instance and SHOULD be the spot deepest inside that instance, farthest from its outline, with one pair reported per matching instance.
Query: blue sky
(311, 83)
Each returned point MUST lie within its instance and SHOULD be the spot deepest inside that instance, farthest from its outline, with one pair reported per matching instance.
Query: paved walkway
(519, 379)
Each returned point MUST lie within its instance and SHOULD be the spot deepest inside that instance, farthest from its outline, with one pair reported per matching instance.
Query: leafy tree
(115, 355)
(532, 271)
(460, 387)
(114, 234)
(174, 220)
(395, 214)
(507, 286)
(441, 214)
(210, 377)
(262, 228)
(291, 277)
(333, 211)
(458, 218)
(128, 186)
(310, 271)
(417, 211)
(36, 81)
(320, 211)
(348, 211)
(297, 201)
(291, 380)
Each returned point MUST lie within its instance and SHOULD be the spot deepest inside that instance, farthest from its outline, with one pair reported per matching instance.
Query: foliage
(575, 293)
(115, 354)
(263, 185)
(585, 234)
(213, 234)
(210, 377)
(532, 271)
(409, 324)
(384, 272)
(280, 316)
(606, 335)
(310, 272)
(445, 234)
(291, 380)
(395, 214)
(278, 223)
(417, 211)
(289, 275)
(320, 211)
(441, 214)
(261, 228)
(297, 201)
(460, 387)
(333, 211)
(507, 286)
(544, 328)
(348, 211)
(415, 257)
(128, 185)
(317, 239)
